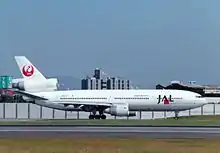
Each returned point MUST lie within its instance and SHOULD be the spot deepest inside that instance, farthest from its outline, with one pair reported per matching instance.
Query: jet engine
(50, 84)
(120, 110)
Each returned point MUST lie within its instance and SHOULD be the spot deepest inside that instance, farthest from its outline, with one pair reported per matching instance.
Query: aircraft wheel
(91, 117)
(103, 117)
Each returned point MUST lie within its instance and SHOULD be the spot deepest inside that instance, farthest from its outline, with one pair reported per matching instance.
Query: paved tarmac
(75, 132)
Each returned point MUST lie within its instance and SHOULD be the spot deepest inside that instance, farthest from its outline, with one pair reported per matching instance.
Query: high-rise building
(103, 82)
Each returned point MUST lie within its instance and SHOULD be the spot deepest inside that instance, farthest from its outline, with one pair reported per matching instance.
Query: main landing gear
(97, 117)
(94, 116)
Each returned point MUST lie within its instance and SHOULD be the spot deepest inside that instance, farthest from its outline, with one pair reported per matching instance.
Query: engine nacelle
(120, 110)
(37, 86)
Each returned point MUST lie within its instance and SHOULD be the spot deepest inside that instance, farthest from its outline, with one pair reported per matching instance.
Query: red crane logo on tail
(28, 70)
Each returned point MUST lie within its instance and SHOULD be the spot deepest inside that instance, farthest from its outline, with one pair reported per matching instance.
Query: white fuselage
(137, 100)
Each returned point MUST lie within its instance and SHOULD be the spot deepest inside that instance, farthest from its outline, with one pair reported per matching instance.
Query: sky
(146, 41)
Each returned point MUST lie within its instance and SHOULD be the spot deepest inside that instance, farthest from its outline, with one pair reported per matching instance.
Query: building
(204, 90)
(101, 81)
(115, 83)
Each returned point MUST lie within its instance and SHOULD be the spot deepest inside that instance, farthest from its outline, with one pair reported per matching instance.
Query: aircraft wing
(70, 102)
(91, 103)
(32, 96)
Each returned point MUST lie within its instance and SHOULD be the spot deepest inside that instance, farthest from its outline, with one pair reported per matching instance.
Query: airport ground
(204, 120)
(76, 139)
(108, 145)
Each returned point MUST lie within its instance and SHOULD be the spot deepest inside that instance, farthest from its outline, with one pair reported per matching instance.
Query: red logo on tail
(28, 70)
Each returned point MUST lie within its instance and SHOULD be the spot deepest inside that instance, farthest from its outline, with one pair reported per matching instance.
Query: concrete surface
(68, 131)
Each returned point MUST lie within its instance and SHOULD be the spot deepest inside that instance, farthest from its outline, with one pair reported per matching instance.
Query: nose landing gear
(176, 115)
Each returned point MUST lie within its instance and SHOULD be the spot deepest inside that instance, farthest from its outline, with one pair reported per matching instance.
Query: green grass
(189, 121)
(108, 145)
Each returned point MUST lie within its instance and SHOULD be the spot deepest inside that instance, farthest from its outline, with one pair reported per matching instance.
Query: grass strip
(183, 121)
(108, 145)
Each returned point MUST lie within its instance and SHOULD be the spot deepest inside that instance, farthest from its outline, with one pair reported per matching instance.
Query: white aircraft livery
(33, 80)
(116, 102)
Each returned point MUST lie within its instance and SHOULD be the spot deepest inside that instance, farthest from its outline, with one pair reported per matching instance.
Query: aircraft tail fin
(27, 69)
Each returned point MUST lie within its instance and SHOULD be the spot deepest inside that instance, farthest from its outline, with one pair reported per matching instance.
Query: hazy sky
(147, 41)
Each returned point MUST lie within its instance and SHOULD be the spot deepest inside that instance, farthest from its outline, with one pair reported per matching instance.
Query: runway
(76, 132)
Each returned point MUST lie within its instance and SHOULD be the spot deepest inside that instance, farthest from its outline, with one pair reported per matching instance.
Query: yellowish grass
(110, 145)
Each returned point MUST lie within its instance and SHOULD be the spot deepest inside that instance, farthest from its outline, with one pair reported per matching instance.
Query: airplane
(116, 102)
(33, 80)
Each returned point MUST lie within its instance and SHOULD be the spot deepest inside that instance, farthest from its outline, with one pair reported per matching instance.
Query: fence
(31, 111)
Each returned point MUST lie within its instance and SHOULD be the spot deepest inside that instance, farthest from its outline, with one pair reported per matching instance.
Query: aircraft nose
(201, 100)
